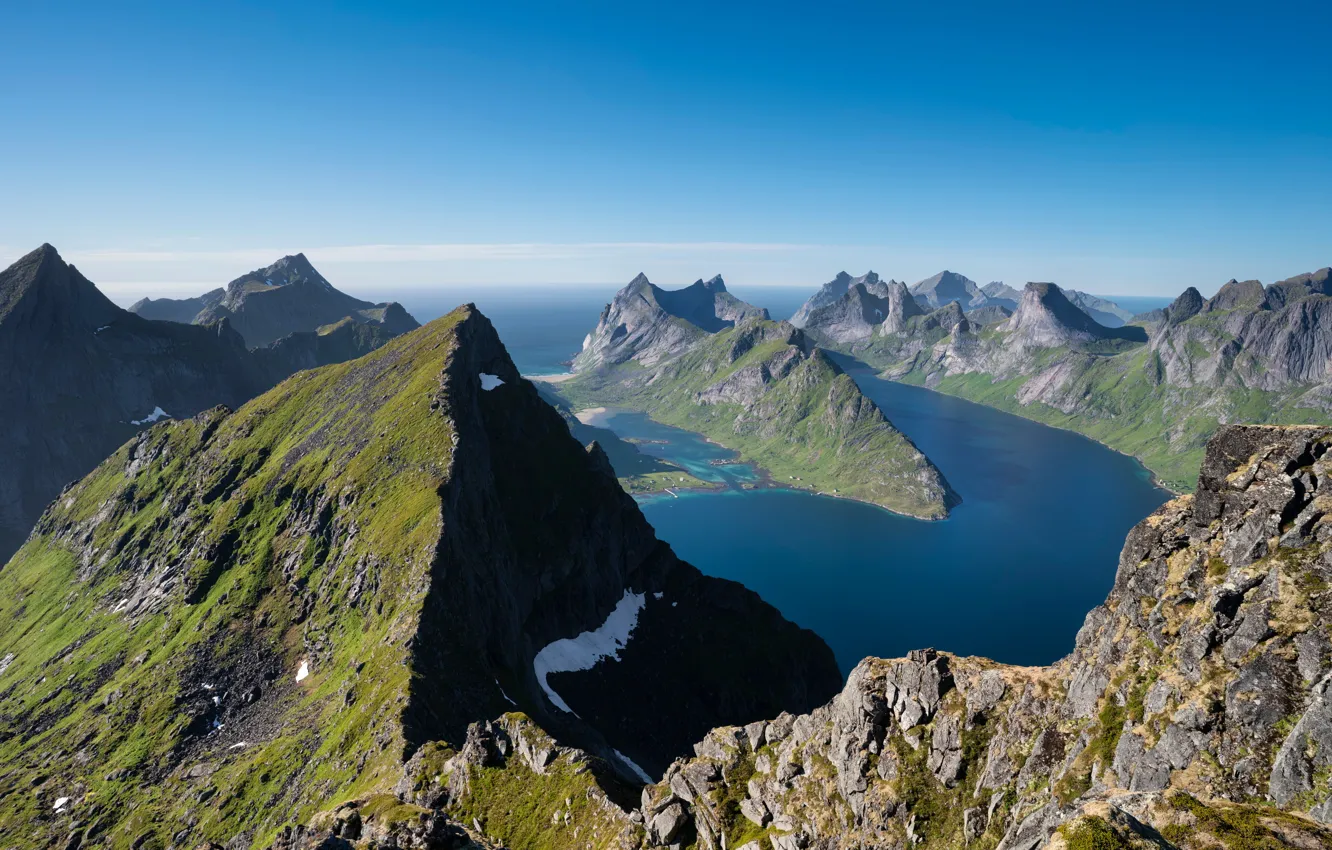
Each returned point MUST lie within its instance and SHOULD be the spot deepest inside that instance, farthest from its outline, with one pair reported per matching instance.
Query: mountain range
(398, 600)
(700, 359)
(348, 589)
(287, 297)
(1155, 388)
(392, 603)
(80, 375)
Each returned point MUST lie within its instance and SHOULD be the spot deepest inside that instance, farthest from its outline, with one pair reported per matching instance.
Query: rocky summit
(390, 601)
(79, 376)
(287, 297)
(1193, 712)
(647, 324)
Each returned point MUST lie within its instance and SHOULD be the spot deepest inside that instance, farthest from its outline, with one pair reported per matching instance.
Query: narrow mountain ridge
(241, 620)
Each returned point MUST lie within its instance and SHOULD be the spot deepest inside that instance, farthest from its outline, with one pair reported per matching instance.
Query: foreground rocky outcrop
(79, 376)
(286, 297)
(243, 623)
(1193, 712)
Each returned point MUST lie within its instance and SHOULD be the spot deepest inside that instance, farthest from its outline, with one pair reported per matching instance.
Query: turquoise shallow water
(1010, 575)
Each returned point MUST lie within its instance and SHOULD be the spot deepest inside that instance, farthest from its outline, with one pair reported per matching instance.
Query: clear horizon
(1128, 150)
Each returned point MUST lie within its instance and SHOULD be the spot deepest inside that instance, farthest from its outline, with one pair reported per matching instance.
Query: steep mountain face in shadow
(287, 297)
(342, 587)
(81, 376)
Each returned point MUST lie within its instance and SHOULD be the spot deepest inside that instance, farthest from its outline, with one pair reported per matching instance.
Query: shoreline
(1152, 477)
(557, 378)
(766, 481)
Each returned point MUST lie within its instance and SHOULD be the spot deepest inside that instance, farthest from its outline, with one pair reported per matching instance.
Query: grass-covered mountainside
(267, 304)
(700, 359)
(1156, 388)
(79, 376)
(316, 618)
(1193, 713)
(759, 388)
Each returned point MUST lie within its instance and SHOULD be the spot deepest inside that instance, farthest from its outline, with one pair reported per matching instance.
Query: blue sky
(1116, 148)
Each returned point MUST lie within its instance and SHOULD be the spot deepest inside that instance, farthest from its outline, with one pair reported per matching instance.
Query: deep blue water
(1010, 575)
(685, 448)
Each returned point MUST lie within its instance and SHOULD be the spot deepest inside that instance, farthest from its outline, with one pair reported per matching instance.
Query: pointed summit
(1189, 303)
(947, 286)
(640, 280)
(716, 284)
(42, 287)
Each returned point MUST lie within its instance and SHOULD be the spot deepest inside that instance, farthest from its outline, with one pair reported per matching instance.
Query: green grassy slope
(110, 690)
(809, 427)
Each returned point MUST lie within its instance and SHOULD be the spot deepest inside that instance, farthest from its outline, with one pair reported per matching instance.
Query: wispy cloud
(441, 252)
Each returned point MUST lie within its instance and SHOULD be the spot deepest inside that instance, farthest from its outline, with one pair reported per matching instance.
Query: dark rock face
(81, 376)
(287, 297)
(1189, 303)
(341, 586)
(649, 324)
(1205, 673)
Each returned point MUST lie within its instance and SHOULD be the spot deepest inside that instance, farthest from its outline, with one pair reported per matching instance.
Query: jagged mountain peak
(829, 292)
(712, 284)
(939, 289)
(347, 571)
(41, 284)
(647, 323)
(292, 269)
